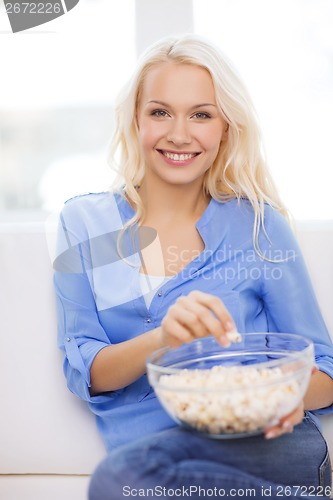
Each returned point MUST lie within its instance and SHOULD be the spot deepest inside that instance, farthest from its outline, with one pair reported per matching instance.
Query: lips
(180, 156)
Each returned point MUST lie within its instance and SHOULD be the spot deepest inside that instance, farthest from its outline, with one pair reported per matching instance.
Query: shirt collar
(213, 225)
(124, 207)
(129, 212)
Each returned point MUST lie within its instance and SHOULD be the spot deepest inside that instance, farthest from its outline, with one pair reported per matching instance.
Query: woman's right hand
(194, 316)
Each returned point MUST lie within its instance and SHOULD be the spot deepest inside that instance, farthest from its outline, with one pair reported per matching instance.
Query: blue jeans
(183, 464)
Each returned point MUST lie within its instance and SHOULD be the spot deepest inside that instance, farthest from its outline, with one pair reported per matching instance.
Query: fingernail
(229, 326)
(224, 341)
(270, 435)
(286, 425)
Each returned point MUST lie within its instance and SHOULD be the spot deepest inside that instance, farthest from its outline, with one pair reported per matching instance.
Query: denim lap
(179, 458)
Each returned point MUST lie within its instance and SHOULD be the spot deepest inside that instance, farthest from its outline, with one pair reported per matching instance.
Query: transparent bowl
(236, 391)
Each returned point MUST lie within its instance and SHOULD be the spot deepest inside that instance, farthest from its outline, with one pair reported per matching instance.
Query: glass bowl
(236, 391)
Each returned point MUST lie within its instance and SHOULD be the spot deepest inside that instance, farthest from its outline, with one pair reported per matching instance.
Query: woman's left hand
(287, 423)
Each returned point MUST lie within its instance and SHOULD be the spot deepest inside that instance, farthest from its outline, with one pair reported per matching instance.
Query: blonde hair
(239, 170)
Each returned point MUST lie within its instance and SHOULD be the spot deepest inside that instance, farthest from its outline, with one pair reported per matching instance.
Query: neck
(176, 201)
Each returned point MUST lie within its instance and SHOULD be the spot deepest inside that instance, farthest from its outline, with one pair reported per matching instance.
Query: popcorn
(229, 399)
(234, 336)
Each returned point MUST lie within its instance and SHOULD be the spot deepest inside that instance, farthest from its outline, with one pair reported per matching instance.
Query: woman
(194, 241)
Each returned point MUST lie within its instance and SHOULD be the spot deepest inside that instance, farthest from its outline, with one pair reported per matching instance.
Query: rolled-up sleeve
(290, 302)
(80, 334)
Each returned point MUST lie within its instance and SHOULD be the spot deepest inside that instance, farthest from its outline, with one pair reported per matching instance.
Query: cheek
(148, 135)
(212, 139)
(210, 136)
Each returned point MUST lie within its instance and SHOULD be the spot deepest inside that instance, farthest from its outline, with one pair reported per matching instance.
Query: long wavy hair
(239, 170)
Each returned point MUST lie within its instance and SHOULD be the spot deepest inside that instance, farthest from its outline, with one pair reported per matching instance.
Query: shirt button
(159, 294)
(148, 320)
(68, 339)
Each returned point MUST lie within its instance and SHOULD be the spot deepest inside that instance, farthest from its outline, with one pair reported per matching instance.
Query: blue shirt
(100, 302)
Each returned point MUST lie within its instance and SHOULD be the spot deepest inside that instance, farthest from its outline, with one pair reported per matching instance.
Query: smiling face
(180, 125)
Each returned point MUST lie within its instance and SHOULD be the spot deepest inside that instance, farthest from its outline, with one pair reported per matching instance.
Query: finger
(206, 322)
(218, 308)
(277, 431)
(187, 317)
(174, 333)
(286, 424)
(293, 418)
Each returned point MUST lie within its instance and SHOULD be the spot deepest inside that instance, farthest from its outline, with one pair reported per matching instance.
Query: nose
(179, 132)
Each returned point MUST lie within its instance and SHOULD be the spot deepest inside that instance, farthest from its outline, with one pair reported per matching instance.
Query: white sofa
(49, 443)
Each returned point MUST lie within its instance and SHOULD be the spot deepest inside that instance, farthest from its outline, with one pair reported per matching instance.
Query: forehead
(178, 82)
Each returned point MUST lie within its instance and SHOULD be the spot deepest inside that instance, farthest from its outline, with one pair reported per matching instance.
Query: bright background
(59, 81)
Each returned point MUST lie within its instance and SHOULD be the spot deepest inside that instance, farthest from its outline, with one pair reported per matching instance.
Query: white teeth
(178, 157)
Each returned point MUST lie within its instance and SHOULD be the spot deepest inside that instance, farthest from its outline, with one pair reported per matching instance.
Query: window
(57, 91)
(284, 51)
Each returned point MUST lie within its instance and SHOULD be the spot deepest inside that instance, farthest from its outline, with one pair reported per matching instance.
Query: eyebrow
(193, 107)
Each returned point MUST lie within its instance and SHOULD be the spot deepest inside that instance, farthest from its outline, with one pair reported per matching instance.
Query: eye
(159, 113)
(201, 116)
